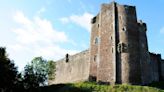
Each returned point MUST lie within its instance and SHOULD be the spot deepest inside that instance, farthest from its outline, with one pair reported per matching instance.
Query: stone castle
(118, 52)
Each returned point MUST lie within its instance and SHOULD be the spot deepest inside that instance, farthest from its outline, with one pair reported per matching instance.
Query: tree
(51, 70)
(36, 73)
(8, 72)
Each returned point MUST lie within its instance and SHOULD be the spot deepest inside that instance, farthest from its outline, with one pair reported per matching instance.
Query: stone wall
(94, 41)
(118, 51)
(128, 44)
(144, 54)
(74, 70)
(162, 70)
(154, 63)
(106, 48)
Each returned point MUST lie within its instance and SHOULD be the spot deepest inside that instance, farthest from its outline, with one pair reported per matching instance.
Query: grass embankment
(93, 87)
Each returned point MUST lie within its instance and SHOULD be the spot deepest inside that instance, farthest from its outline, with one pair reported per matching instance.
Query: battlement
(69, 58)
(142, 25)
(155, 54)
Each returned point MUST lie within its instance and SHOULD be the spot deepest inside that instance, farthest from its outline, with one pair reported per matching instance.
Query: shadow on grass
(63, 88)
(159, 85)
(90, 87)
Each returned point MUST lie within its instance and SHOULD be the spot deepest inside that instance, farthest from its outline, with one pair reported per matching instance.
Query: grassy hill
(93, 87)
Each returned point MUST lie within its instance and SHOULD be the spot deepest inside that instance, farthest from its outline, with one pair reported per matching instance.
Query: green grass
(93, 87)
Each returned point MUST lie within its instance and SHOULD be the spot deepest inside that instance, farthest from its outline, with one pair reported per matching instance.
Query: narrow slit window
(96, 40)
(95, 58)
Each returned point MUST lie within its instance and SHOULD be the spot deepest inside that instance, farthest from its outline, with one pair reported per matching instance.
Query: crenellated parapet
(142, 26)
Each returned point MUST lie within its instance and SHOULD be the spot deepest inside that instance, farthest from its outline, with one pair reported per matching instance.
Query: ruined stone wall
(162, 70)
(118, 51)
(126, 20)
(94, 42)
(106, 67)
(144, 54)
(154, 63)
(74, 70)
(128, 44)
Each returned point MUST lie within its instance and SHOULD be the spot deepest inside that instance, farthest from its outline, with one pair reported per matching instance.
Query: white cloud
(37, 37)
(81, 20)
(20, 18)
(37, 30)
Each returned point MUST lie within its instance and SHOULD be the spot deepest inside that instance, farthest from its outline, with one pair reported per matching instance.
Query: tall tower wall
(128, 44)
(118, 50)
(106, 67)
(94, 56)
(144, 54)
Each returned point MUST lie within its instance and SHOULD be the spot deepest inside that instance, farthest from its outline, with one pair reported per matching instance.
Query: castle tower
(115, 54)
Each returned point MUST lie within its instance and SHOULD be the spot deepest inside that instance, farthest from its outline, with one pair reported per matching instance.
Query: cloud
(81, 20)
(37, 37)
(36, 30)
(20, 18)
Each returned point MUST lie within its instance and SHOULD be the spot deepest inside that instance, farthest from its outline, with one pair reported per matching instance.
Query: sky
(52, 28)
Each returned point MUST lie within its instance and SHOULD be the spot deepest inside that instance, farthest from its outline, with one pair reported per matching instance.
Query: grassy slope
(93, 87)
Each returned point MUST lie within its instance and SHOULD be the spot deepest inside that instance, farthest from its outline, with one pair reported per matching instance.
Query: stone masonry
(75, 69)
(118, 51)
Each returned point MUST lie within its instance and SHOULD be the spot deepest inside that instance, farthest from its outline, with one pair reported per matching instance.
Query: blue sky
(52, 28)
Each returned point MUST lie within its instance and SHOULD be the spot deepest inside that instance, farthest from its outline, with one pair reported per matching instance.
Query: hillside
(93, 87)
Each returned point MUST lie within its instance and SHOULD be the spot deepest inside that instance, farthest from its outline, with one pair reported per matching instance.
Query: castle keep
(118, 51)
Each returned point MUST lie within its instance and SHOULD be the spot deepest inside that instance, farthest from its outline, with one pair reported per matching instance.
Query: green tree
(8, 72)
(51, 69)
(36, 73)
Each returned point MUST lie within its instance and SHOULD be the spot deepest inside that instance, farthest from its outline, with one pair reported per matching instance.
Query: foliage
(51, 69)
(8, 72)
(36, 73)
